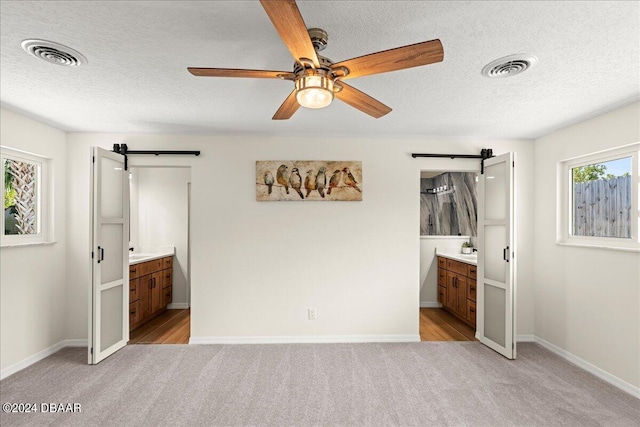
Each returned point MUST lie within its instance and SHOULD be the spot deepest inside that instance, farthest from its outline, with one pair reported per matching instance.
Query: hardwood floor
(171, 327)
(438, 325)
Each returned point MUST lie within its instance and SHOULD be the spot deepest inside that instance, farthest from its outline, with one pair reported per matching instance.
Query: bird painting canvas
(308, 180)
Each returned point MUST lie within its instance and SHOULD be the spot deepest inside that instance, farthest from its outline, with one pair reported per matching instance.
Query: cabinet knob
(472, 310)
(133, 290)
(133, 271)
(133, 312)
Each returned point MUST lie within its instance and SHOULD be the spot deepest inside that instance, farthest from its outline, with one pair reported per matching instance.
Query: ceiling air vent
(54, 53)
(509, 66)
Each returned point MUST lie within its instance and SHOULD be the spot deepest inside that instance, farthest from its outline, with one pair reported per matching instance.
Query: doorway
(448, 221)
(160, 228)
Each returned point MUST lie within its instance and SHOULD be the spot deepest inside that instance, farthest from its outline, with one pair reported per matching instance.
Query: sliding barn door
(109, 298)
(496, 267)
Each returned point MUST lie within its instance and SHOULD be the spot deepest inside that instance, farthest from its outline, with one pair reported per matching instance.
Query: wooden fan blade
(286, 17)
(288, 107)
(233, 72)
(413, 55)
(362, 101)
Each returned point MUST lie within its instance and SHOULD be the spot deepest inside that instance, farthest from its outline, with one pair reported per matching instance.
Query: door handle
(100, 254)
(505, 254)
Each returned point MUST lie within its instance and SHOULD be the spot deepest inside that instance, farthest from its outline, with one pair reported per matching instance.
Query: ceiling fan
(318, 79)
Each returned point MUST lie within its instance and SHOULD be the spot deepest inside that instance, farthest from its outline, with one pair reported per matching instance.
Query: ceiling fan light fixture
(314, 91)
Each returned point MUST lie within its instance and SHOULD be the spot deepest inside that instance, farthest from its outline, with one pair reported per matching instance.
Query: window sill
(16, 245)
(605, 247)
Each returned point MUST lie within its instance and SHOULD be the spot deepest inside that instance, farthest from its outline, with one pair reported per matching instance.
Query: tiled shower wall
(449, 212)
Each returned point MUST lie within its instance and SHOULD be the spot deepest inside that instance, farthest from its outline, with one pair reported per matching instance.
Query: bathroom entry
(477, 288)
(448, 221)
(159, 255)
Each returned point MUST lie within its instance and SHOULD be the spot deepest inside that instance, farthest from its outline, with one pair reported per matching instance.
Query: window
(25, 207)
(600, 199)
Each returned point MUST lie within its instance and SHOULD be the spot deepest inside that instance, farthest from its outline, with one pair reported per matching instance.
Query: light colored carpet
(414, 384)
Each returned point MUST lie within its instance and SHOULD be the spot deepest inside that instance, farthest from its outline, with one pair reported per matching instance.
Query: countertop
(137, 258)
(457, 256)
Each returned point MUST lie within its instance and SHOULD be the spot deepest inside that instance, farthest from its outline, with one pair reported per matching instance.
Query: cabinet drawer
(471, 312)
(167, 277)
(471, 289)
(167, 296)
(167, 262)
(442, 277)
(442, 262)
(134, 314)
(472, 271)
(134, 271)
(134, 290)
(457, 267)
(442, 295)
(150, 267)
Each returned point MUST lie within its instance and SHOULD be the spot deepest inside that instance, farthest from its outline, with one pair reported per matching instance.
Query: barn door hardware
(124, 150)
(486, 153)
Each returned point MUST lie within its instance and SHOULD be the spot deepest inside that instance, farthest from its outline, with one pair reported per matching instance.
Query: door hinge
(513, 163)
(91, 254)
(513, 346)
(93, 159)
(91, 350)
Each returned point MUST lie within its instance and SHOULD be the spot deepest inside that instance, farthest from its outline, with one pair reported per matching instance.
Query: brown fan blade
(233, 72)
(413, 55)
(288, 107)
(286, 17)
(362, 101)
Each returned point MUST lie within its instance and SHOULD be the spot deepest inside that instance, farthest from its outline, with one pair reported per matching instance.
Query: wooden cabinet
(150, 290)
(456, 293)
(457, 288)
(155, 302)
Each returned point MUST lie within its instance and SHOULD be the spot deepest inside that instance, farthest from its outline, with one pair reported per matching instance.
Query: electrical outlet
(312, 313)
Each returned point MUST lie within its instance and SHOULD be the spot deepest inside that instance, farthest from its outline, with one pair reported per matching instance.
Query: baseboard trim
(34, 358)
(592, 369)
(430, 304)
(178, 306)
(525, 338)
(322, 339)
(75, 343)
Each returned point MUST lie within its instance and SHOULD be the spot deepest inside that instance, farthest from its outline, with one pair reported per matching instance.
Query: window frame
(42, 208)
(565, 202)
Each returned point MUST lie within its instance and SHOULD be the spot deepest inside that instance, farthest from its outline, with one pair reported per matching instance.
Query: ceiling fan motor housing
(319, 38)
(325, 64)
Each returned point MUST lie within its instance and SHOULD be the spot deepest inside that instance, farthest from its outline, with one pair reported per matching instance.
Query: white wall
(162, 215)
(257, 266)
(33, 291)
(587, 301)
(429, 266)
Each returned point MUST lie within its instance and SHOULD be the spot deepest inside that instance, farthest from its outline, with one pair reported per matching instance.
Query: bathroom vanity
(150, 286)
(457, 285)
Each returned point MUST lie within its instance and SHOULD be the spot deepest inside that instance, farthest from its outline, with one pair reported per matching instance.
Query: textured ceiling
(136, 79)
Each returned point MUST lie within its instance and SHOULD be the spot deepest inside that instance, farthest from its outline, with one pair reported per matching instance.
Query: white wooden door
(495, 323)
(109, 297)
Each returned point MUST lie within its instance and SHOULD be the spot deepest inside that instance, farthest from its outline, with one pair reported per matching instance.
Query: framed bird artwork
(308, 180)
